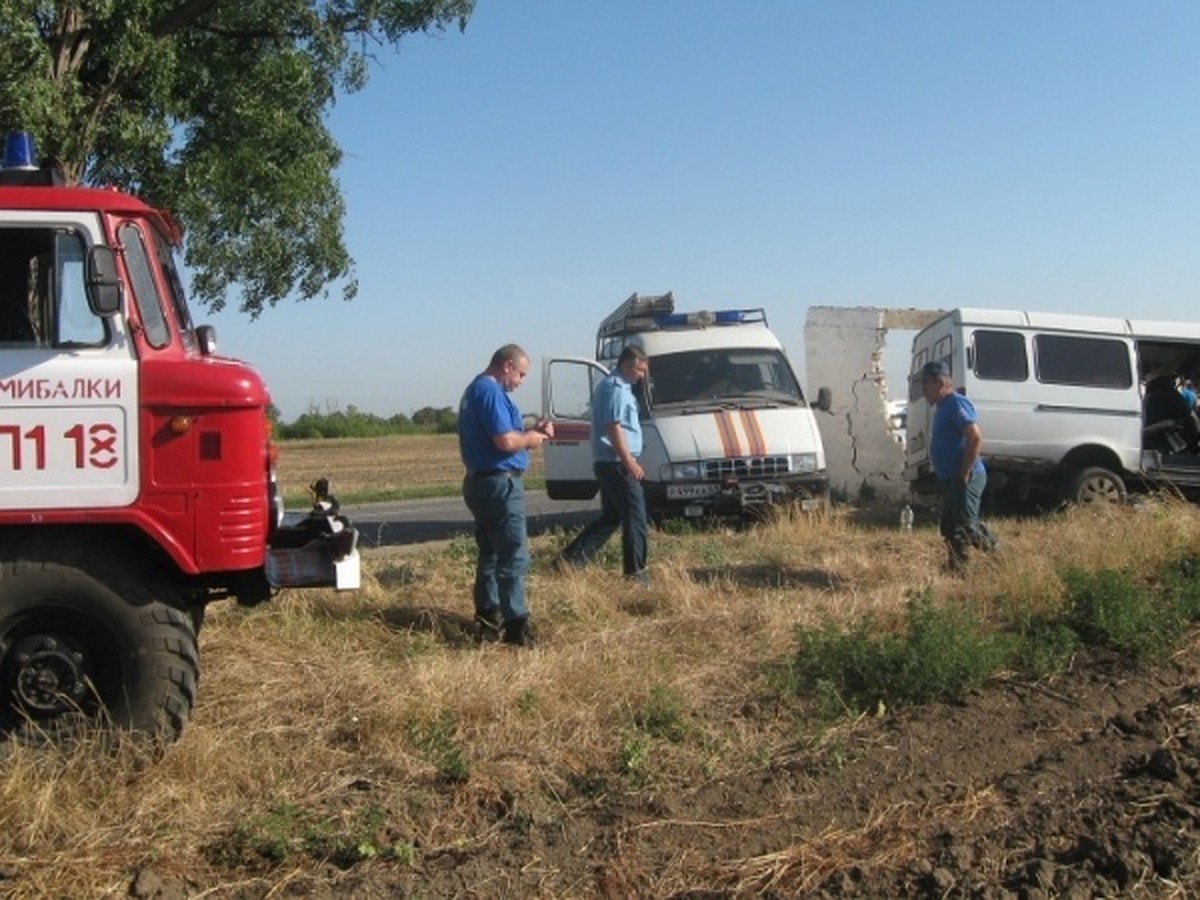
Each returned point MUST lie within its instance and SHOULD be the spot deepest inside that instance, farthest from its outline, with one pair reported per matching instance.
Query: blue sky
(516, 181)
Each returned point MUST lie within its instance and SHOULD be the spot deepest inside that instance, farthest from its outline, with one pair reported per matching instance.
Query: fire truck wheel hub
(50, 675)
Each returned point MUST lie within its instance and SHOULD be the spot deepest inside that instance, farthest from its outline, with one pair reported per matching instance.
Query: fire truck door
(68, 383)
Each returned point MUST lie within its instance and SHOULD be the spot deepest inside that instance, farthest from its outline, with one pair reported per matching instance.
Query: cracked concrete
(844, 352)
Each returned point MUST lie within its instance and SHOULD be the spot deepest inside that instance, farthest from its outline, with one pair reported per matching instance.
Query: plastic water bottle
(906, 518)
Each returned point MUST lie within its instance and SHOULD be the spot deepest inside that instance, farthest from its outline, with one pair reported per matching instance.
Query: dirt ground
(1083, 786)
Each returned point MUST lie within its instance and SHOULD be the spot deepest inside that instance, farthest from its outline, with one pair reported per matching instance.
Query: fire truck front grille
(242, 528)
(210, 446)
(745, 467)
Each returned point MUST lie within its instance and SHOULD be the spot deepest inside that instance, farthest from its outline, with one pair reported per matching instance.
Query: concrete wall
(844, 352)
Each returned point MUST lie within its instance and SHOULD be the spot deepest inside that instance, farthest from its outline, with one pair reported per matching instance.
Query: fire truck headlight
(275, 503)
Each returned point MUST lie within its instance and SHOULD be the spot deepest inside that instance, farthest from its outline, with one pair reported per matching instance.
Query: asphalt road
(418, 521)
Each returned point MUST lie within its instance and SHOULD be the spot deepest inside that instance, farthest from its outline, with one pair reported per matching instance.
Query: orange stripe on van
(570, 431)
(729, 439)
(754, 434)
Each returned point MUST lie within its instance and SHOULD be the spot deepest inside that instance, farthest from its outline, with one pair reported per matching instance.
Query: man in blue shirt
(495, 446)
(1188, 389)
(955, 442)
(616, 446)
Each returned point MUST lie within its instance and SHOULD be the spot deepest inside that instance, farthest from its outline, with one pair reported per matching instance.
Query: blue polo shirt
(953, 413)
(485, 411)
(613, 401)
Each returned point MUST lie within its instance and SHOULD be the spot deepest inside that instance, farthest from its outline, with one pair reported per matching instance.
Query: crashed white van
(1062, 401)
(726, 428)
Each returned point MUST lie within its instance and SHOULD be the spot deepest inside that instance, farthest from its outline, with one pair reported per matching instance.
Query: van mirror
(103, 285)
(824, 400)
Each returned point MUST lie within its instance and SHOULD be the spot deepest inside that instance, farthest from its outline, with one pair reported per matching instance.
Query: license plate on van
(690, 491)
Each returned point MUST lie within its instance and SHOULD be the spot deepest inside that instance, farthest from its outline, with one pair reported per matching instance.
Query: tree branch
(181, 17)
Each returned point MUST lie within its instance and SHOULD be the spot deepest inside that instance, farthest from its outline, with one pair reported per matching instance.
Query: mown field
(669, 741)
(366, 469)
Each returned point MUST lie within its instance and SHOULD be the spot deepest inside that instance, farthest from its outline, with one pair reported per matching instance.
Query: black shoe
(517, 633)
(488, 626)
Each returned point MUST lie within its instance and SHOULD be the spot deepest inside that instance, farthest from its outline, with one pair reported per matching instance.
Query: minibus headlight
(689, 471)
(804, 462)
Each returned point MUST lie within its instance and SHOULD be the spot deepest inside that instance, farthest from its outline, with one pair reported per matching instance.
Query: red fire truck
(137, 477)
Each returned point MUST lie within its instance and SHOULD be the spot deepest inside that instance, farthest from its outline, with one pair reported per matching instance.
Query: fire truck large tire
(92, 644)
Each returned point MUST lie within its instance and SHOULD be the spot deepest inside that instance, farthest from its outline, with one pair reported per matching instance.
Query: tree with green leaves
(214, 109)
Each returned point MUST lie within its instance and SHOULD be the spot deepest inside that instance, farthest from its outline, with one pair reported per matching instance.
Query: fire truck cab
(136, 467)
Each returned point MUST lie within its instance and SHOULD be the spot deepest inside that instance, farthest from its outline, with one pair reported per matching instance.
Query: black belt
(492, 473)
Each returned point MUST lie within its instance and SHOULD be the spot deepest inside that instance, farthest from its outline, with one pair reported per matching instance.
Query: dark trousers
(622, 505)
(960, 523)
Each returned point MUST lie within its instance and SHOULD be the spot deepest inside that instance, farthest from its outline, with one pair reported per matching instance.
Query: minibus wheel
(1096, 484)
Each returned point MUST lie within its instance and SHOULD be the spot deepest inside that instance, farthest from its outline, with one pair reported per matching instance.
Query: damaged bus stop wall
(844, 350)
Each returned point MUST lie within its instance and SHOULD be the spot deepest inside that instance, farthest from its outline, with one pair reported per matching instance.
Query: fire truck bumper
(321, 551)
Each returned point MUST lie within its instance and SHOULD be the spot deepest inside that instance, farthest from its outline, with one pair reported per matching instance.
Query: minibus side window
(1083, 362)
(1000, 356)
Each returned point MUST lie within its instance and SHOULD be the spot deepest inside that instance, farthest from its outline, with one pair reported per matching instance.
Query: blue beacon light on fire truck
(21, 166)
(18, 151)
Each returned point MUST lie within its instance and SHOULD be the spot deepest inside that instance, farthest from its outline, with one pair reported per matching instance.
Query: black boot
(488, 626)
(517, 633)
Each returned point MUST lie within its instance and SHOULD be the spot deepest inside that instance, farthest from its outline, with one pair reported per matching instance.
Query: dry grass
(364, 469)
(380, 702)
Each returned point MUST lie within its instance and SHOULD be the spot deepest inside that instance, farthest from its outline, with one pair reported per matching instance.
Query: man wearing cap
(955, 442)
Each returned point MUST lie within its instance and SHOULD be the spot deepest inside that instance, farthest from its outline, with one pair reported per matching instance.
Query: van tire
(1096, 484)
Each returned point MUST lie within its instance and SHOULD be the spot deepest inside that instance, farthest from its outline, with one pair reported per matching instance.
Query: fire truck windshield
(166, 259)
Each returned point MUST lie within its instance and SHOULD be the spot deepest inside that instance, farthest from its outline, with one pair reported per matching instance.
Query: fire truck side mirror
(103, 285)
(206, 339)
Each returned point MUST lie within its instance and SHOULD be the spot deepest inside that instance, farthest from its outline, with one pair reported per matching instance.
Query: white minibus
(1081, 407)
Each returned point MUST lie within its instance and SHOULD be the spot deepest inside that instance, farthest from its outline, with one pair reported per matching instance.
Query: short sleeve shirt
(485, 411)
(613, 401)
(946, 443)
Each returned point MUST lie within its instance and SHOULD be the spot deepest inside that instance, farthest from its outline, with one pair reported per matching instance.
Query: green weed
(633, 759)
(1043, 646)
(286, 831)
(1109, 608)
(436, 739)
(662, 715)
(1181, 582)
(942, 653)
